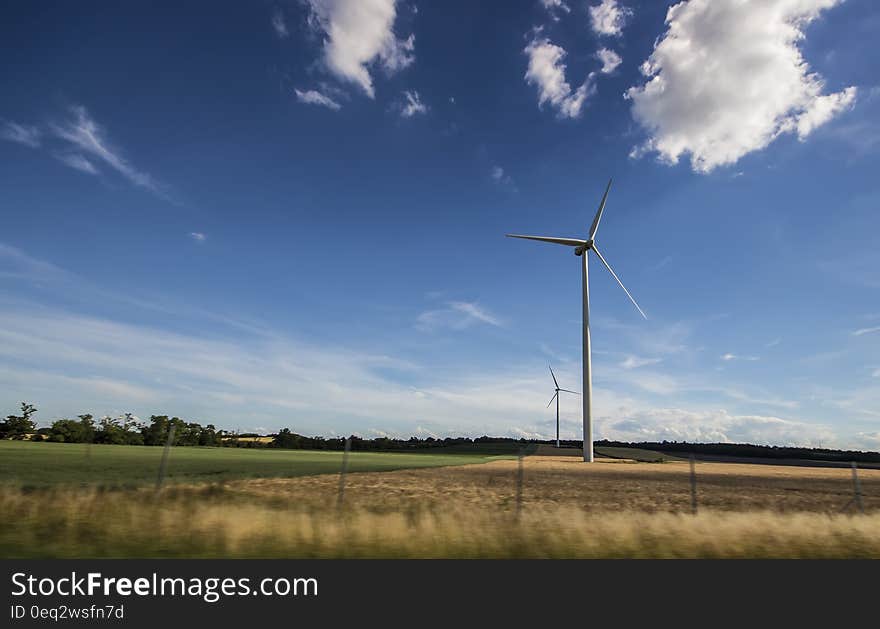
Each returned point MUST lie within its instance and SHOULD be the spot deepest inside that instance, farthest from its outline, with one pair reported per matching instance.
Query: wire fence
(854, 504)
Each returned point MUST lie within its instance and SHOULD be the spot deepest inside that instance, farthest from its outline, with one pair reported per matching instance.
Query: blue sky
(293, 214)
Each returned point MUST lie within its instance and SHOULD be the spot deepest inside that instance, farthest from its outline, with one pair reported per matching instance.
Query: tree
(18, 426)
(120, 430)
(72, 431)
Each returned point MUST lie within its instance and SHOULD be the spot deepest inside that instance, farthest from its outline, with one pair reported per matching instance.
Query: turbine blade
(567, 391)
(551, 399)
(568, 242)
(608, 266)
(595, 225)
(554, 377)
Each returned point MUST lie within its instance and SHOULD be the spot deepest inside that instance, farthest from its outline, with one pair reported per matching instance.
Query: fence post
(857, 487)
(341, 495)
(164, 464)
(693, 486)
(519, 483)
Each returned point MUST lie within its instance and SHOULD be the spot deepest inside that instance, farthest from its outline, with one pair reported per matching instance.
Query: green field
(45, 464)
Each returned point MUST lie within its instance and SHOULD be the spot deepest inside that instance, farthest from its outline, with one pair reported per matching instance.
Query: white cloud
(457, 315)
(864, 331)
(77, 161)
(633, 362)
(279, 25)
(358, 34)
(727, 78)
(553, 6)
(314, 97)
(22, 134)
(610, 60)
(502, 178)
(88, 137)
(198, 236)
(729, 357)
(547, 72)
(609, 18)
(413, 104)
(673, 424)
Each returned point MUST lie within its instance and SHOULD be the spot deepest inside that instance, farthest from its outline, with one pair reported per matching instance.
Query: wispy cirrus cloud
(412, 104)
(456, 315)
(279, 24)
(634, 362)
(863, 331)
(77, 162)
(729, 357)
(21, 134)
(314, 97)
(84, 133)
(81, 143)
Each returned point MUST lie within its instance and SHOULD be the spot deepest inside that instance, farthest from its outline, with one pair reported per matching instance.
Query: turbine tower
(581, 248)
(556, 396)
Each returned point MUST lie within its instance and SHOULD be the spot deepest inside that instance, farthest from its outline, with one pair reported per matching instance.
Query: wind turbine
(581, 247)
(556, 396)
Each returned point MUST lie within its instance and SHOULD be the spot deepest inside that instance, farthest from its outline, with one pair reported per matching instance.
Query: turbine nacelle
(581, 249)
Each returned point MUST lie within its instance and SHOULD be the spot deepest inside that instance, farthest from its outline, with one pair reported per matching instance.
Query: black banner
(135, 593)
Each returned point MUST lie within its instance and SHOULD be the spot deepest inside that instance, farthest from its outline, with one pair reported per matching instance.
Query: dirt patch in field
(606, 485)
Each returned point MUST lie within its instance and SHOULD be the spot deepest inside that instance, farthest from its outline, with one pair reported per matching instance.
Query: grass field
(44, 464)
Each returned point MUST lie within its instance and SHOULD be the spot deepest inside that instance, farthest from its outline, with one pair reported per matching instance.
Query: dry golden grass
(607, 485)
(610, 509)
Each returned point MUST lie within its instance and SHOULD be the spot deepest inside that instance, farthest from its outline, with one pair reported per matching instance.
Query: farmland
(46, 464)
(441, 508)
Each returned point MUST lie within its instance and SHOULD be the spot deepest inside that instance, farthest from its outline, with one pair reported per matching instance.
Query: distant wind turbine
(556, 397)
(581, 247)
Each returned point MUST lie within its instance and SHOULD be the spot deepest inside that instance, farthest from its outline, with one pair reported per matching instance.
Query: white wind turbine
(581, 247)
(556, 397)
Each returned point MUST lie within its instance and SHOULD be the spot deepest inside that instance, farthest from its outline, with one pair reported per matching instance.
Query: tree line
(749, 450)
(122, 430)
(128, 430)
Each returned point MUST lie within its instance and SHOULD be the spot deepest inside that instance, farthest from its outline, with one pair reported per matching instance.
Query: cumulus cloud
(198, 236)
(609, 18)
(21, 134)
(413, 104)
(610, 60)
(546, 71)
(314, 97)
(457, 315)
(674, 424)
(727, 78)
(553, 6)
(279, 24)
(358, 34)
